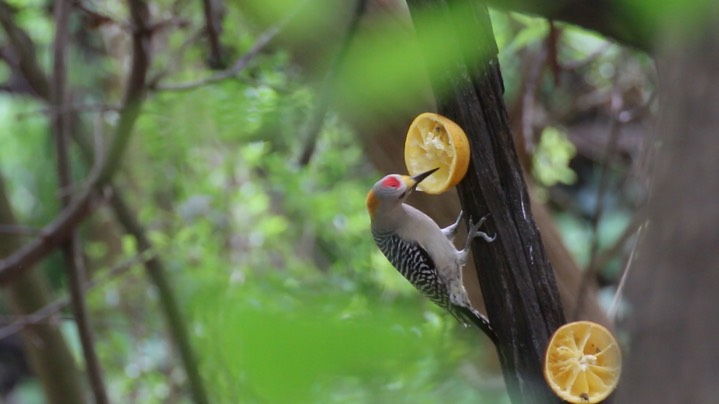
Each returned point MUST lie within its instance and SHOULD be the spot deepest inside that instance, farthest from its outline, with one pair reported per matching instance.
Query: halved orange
(435, 141)
(583, 362)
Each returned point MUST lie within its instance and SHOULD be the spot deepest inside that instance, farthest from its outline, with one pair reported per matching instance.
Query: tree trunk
(673, 288)
(517, 280)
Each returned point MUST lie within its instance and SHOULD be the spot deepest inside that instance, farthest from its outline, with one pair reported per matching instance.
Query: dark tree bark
(674, 323)
(517, 280)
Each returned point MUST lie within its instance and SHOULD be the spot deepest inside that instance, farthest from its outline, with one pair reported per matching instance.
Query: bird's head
(392, 190)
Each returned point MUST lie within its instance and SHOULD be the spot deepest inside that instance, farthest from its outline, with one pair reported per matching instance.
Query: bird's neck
(389, 219)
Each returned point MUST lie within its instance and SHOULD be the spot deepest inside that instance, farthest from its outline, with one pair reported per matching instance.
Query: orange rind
(435, 141)
(583, 362)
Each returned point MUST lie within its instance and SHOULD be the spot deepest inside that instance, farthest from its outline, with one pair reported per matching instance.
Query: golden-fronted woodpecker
(420, 250)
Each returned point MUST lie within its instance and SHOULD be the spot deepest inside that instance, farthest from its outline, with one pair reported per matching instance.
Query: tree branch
(48, 354)
(74, 265)
(42, 314)
(213, 27)
(238, 66)
(18, 230)
(59, 229)
(313, 127)
(157, 273)
(70, 108)
(24, 48)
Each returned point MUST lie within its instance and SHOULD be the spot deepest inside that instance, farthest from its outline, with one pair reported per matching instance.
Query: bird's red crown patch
(391, 182)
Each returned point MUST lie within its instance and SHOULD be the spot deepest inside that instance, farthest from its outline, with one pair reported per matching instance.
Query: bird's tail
(470, 316)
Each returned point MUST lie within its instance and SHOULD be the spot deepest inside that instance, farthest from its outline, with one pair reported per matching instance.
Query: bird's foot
(474, 232)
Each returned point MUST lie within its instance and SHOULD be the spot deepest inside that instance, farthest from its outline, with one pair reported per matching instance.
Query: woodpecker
(420, 250)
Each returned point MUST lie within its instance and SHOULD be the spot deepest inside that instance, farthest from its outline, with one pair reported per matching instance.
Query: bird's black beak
(420, 177)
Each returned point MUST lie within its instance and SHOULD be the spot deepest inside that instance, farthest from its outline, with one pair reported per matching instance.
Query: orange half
(583, 362)
(435, 141)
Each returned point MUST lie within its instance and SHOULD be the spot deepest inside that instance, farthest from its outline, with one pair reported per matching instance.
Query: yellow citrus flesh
(583, 362)
(435, 141)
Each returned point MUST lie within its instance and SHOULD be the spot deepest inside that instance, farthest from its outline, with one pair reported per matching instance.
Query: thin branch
(97, 17)
(43, 314)
(238, 66)
(168, 23)
(157, 273)
(70, 108)
(24, 49)
(76, 271)
(50, 237)
(58, 97)
(136, 89)
(213, 28)
(529, 97)
(174, 60)
(614, 307)
(17, 229)
(551, 44)
(31, 319)
(59, 229)
(614, 250)
(74, 264)
(317, 119)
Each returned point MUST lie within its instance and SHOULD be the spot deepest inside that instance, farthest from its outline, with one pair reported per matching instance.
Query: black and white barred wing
(415, 264)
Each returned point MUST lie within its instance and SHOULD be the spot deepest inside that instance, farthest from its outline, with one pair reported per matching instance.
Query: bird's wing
(415, 264)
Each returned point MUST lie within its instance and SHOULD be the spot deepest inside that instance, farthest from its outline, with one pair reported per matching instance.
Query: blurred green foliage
(551, 158)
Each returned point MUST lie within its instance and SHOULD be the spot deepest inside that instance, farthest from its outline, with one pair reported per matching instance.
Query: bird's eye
(391, 182)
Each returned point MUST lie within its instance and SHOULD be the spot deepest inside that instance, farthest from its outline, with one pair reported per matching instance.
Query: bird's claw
(474, 230)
